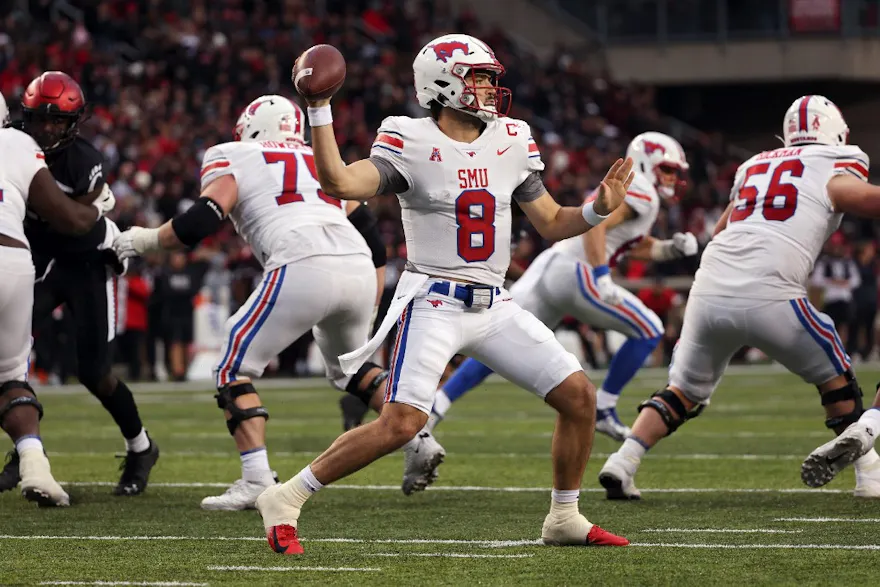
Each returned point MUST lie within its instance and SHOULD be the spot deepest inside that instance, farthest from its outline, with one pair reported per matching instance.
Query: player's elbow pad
(201, 220)
(367, 224)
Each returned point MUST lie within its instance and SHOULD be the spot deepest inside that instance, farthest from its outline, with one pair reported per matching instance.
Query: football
(319, 72)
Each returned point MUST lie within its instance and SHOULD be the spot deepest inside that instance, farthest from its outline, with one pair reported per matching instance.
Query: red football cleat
(283, 539)
(598, 537)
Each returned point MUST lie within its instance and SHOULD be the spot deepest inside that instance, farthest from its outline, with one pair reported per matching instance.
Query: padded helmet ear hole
(441, 83)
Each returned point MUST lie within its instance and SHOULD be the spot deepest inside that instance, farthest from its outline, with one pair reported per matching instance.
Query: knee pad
(676, 405)
(21, 400)
(850, 391)
(226, 401)
(364, 395)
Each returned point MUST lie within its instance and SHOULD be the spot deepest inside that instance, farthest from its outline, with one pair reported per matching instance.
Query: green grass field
(723, 501)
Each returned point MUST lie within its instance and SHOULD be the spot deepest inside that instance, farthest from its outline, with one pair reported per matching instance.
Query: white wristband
(320, 116)
(590, 215)
(664, 251)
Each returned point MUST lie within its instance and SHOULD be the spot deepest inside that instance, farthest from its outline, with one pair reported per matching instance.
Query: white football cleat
(824, 463)
(37, 483)
(618, 478)
(241, 495)
(422, 455)
(610, 425)
(867, 477)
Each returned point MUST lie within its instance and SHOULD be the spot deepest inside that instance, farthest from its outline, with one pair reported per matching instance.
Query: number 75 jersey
(781, 218)
(457, 211)
(281, 211)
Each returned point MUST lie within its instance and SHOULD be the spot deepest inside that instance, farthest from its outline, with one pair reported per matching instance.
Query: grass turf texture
(754, 436)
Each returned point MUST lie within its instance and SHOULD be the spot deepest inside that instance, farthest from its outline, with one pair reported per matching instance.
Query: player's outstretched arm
(62, 213)
(200, 221)
(851, 195)
(555, 222)
(358, 181)
(594, 240)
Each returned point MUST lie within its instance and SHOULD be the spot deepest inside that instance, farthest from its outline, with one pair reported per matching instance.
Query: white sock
(632, 449)
(564, 502)
(871, 418)
(255, 466)
(139, 443)
(869, 459)
(565, 495)
(433, 420)
(441, 404)
(605, 400)
(29, 442)
(301, 487)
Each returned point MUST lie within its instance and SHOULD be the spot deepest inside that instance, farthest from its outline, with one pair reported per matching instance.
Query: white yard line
(760, 546)
(478, 488)
(720, 531)
(289, 569)
(449, 555)
(484, 455)
(145, 583)
(478, 543)
(824, 520)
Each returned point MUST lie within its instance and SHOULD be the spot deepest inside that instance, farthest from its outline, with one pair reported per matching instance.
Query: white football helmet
(814, 119)
(4, 112)
(652, 150)
(271, 118)
(444, 71)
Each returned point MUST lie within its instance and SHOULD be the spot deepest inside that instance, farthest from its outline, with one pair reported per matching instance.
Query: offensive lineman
(79, 271)
(573, 278)
(784, 204)
(25, 180)
(318, 272)
(455, 174)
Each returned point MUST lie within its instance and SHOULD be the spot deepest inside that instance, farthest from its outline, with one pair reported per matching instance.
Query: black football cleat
(353, 411)
(136, 467)
(9, 477)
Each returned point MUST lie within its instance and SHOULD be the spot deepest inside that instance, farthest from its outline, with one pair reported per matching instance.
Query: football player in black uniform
(80, 272)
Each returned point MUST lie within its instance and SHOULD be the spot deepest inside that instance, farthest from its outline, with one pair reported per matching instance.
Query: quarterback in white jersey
(456, 174)
(318, 272)
(750, 289)
(573, 278)
(26, 181)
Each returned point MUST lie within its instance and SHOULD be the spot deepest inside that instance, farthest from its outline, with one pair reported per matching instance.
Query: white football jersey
(281, 211)
(456, 213)
(20, 160)
(780, 220)
(644, 200)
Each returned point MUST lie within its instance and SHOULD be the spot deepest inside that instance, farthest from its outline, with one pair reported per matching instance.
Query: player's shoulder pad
(84, 155)
(641, 193)
(852, 160)
(86, 151)
(17, 140)
(393, 134)
(216, 160)
(520, 133)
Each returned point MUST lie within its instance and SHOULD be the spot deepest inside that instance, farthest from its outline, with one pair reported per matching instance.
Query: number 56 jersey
(281, 211)
(456, 211)
(780, 219)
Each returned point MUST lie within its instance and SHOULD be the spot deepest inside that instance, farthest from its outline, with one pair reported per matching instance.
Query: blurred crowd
(166, 79)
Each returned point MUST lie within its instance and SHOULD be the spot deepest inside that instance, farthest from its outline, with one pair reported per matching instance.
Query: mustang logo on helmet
(252, 109)
(445, 50)
(651, 147)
